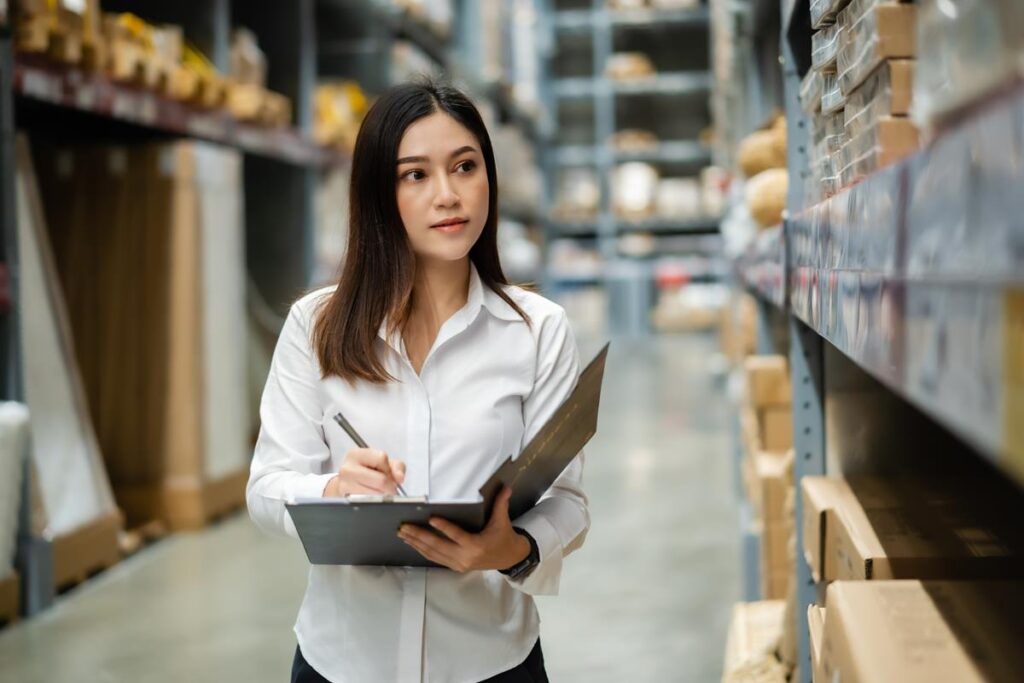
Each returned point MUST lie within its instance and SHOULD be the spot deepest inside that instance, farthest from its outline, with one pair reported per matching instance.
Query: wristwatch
(523, 568)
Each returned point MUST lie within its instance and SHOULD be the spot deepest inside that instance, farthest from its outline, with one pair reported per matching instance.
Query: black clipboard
(362, 530)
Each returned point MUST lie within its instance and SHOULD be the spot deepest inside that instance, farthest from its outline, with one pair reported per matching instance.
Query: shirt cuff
(544, 579)
(309, 486)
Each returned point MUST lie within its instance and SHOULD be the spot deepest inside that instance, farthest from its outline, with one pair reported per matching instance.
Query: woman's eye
(466, 166)
(413, 175)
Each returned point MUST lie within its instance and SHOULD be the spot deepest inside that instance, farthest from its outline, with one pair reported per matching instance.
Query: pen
(354, 435)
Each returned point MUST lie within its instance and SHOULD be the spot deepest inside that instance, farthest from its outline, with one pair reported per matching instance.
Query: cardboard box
(871, 528)
(823, 500)
(776, 428)
(754, 634)
(923, 632)
(775, 584)
(788, 646)
(887, 92)
(775, 553)
(873, 32)
(816, 631)
(768, 381)
(768, 478)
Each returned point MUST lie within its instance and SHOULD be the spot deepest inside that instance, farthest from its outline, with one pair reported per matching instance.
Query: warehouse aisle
(647, 597)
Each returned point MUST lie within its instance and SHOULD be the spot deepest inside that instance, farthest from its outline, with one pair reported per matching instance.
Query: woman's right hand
(367, 471)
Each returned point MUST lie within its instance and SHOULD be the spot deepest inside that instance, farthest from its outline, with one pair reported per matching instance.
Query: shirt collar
(479, 296)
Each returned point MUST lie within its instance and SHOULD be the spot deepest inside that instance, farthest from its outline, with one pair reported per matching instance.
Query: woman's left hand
(498, 546)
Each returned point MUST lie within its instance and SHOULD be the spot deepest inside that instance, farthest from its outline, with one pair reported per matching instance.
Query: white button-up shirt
(488, 385)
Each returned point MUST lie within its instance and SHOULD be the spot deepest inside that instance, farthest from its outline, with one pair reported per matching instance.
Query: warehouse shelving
(585, 19)
(908, 286)
(671, 226)
(668, 152)
(681, 83)
(71, 87)
(590, 107)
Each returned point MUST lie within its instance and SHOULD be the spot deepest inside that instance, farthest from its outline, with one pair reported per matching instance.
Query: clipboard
(361, 530)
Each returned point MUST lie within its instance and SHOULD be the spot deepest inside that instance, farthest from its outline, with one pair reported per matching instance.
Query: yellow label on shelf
(1013, 381)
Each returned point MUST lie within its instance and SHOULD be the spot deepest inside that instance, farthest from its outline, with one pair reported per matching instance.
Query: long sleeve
(291, 456)
(560, 520)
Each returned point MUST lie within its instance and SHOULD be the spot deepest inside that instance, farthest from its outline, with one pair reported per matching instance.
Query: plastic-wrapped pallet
(73, 482)
(966, 49)
(14, 444)
(873, 31)
(167, 393)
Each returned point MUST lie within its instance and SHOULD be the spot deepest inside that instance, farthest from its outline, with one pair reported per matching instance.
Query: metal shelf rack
(909, 283)
(602, 106)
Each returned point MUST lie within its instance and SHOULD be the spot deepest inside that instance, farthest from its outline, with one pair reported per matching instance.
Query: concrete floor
(646, 599)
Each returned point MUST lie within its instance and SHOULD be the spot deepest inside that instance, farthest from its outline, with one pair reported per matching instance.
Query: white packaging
(14, 444)
(228, 423)
(634, 189)
(678, 198)
(73, 481)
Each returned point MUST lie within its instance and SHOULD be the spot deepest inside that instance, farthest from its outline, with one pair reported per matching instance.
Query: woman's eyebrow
(422, 160)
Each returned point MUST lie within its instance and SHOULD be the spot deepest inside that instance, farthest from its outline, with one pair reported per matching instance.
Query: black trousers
(530, 671)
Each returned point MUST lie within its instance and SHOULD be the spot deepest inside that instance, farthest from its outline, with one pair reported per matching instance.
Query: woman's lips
(450, 227)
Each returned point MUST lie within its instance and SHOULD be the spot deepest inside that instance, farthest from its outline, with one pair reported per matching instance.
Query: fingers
(499, 514)
(431, 546)
(360, 479)
(452, 531)
(398, 471)
(372, 469)
(369, 457)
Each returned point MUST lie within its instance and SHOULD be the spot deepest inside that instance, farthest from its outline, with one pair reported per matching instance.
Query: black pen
(354, 435)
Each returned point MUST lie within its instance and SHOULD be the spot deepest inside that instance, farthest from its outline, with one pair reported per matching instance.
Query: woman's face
(442, 188)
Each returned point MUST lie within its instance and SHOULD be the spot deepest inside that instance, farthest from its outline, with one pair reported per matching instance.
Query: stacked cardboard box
(886, 548)
(754, 634)
(919, 631)
(766, 421)
(862, 71)
(770, 395)
(737, 333)
(66, 30)
(871, 528)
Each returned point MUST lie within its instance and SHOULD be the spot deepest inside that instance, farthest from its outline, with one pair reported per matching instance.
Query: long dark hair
(379, 272)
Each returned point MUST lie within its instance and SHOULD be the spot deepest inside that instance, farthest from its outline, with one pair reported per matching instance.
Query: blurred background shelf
(68, 89)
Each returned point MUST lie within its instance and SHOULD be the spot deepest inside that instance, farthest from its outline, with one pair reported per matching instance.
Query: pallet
(10, 599)
(185, 507)
(134, 540)
(86, 551)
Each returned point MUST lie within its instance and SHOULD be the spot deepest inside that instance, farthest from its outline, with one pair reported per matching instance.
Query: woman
(445, 370)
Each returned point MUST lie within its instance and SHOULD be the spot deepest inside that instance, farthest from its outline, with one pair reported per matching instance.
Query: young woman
(445, 370)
